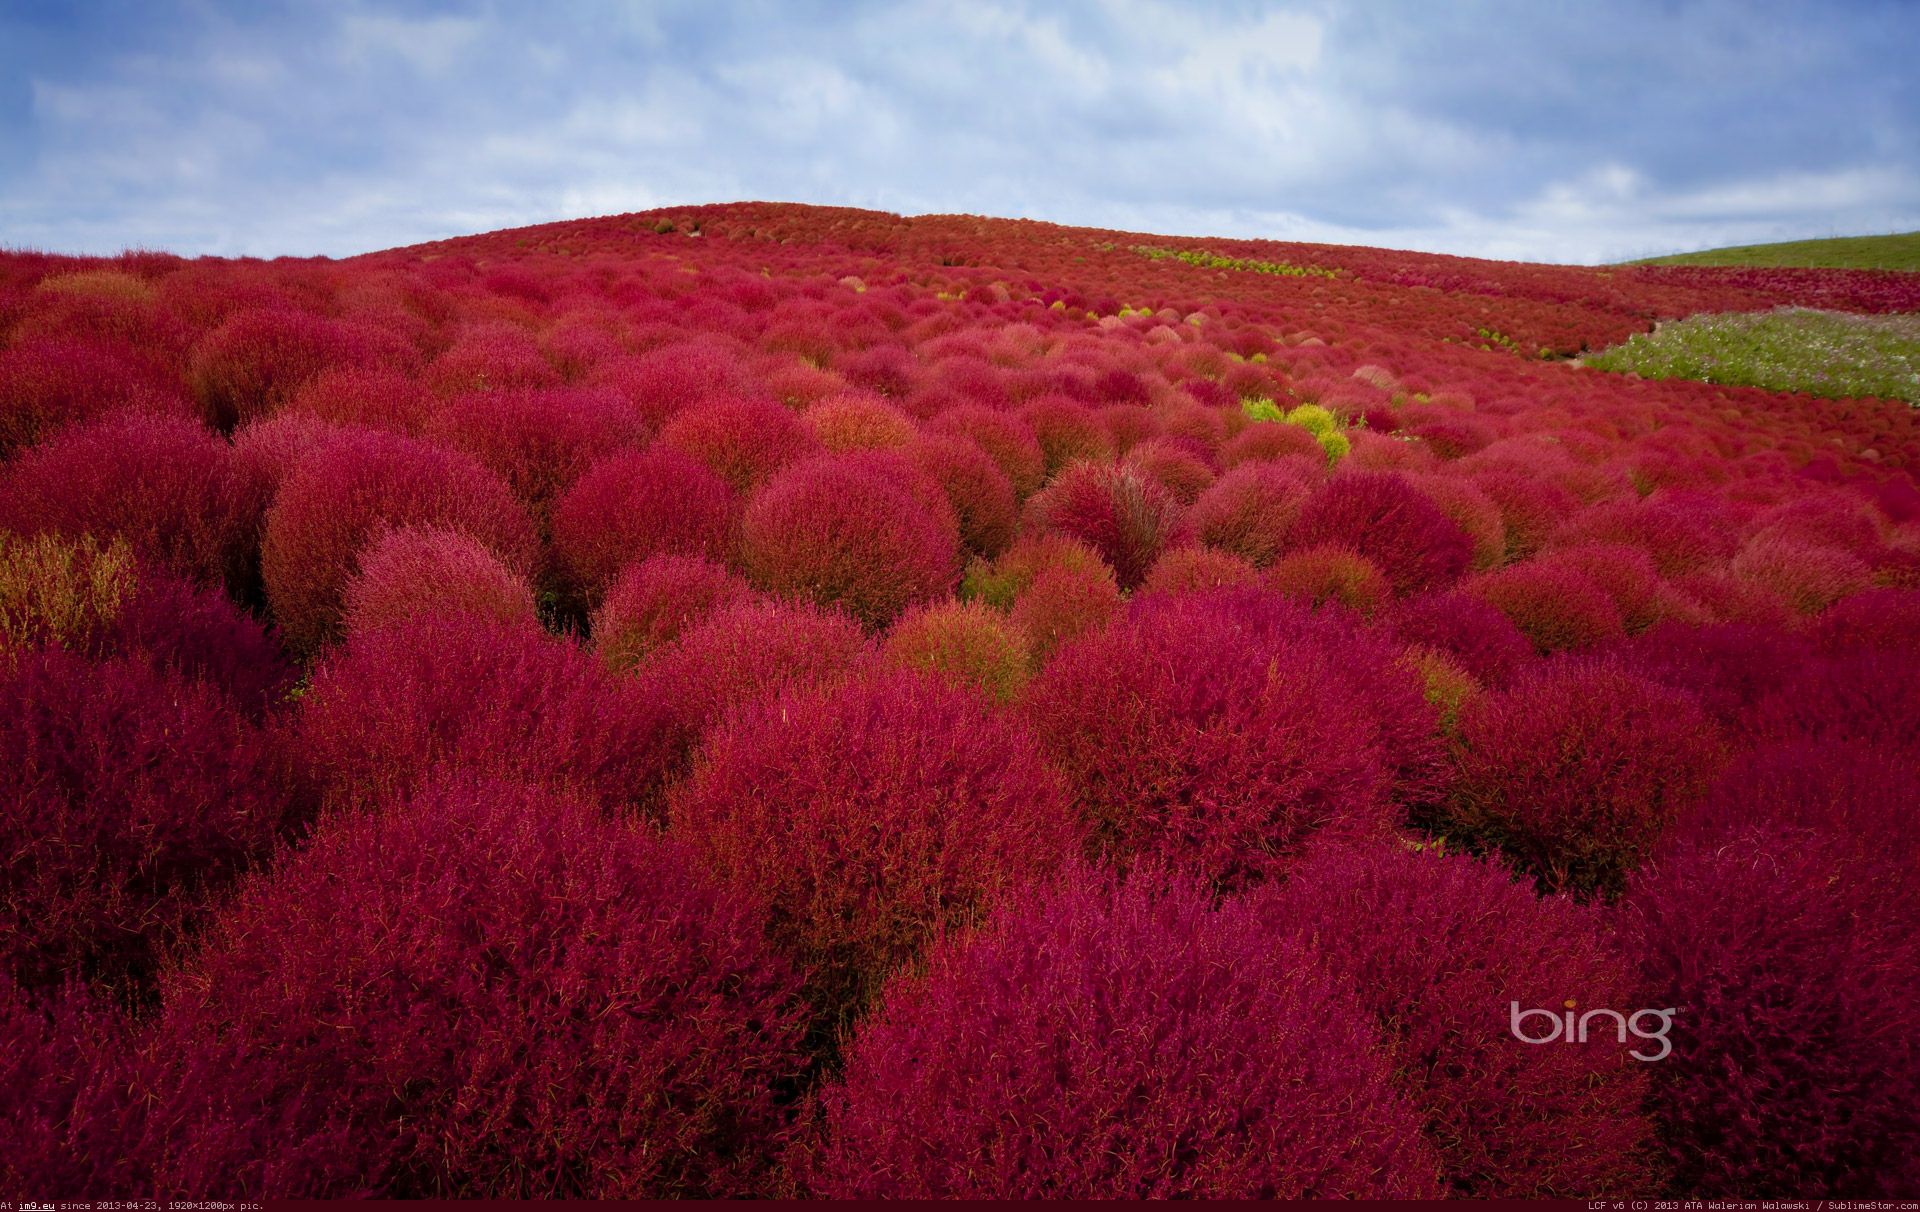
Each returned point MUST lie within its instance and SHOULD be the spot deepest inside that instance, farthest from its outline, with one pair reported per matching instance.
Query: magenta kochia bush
(199, 633)
(489, 990)
(49, 384)
(128, 797)
(422, 570)
(164, 484)
(1390, 522)
(1795, 961)
(866, 531)
(251, 364)
(638, 504)
(1220, 730)
(397, 701)
(1479, 638)
(68, 1124)
(656, 599)
(1126, 1042)
(1115, 508)
(981, 495)
(1574, 771)
(343, 494)
(1435, 948)
(870, 817)
(539, 442)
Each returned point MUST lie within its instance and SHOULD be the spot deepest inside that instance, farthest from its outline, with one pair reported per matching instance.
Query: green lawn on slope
(1846, 252)
(1822, 353)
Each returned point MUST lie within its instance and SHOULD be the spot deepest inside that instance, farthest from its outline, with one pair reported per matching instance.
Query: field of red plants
(769, 700)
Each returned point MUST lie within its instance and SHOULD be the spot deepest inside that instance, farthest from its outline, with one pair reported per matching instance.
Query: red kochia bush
(1331, 574)
(49, 384)
(1477, 637)
(864, 531)
(67, 1123)
(1007, 440)
(1555, 605)
(1177, 464)
(1574, 771)
(1435, 948)
(462, 690)
(347, 491)
(1249, 512)
(639, 504)
(200, 634)
(1729, 667)
(250, 365)
(656, 599)
(489, 991)
(1116, 509)
(1220, 730)
(164, 484)
(1061, 604)
(357, 395)
(742, 440)
(1795, 963)
(1868, 695)
(871, 817)
(128, 796)
(979, 491)
(1381, 516)
(413, 571)
(1101, 1042)
(539, 442)
(1189, 569)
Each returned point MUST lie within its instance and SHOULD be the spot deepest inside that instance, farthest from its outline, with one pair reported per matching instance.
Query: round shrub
(1795, 1066)
(1679, 538)
(250, 365)
(1062, 604)
(740, 655)
(265, 452)
(1807, 576)
(1885, 619)
(1574, 771)
(1265, 442)
(1625, 574)
(1177, 465)
(998, 583)
(1331, 573)
(349, 490)
(1386, 519)
(1474, 512)
(490, 357)
(981, 496)
(665, 381)
(1729, 667)
(1190, 569)
(1220, 731)
(130, 796)
(394, 703)
(870, 817)
(850, 422)
(1113, 508)
(199, 634)
(487, 991)
(67, 1123)
(1436, 948)
(1250, 511)
(61, 592)
(1479, 638)
(359, 395)
(538, 441)
(1103, 1042)
(421, 570)
(964, 643)
(656, 599)
(1531, 508)
(1868, 696)
(165, 485)
(743, 440)
(1068, 432)
(1856, 797)
(638, 504)
(49, 384)
(1555, 605)
(865, 532)
(1007, 440)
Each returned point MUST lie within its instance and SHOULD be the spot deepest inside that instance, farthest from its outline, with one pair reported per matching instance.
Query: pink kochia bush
(395, 702)
(1383, 517)
(1436, 948)
(1121, 1042)
(656, 599)
(67, 1123)
(412, 571)
(343, 495)
(869, 818)
(743, 440)
(639, 504)
(539, 441)
(485, 990)
(164, 484)
(1792, 944)
(1574, 771)
(1114, 508)
(866, 532)
(128, 797)
(1221, 730)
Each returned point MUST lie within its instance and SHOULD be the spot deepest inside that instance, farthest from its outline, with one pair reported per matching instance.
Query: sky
(1528, 130)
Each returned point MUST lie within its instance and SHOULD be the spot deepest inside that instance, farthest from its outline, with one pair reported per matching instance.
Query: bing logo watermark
(1567, 1028)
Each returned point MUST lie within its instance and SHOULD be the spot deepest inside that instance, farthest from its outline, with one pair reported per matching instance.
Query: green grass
(1847, 252)
(1821, 353)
